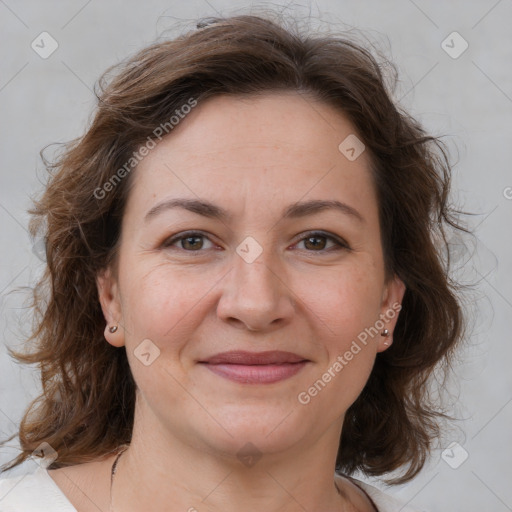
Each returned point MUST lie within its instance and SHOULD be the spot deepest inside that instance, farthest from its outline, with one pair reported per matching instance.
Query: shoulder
(32, 492)
(384, 502)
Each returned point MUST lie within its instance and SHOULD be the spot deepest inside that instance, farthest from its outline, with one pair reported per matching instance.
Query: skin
(254, 157)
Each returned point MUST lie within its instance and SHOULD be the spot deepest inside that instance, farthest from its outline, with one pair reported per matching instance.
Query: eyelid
(340, 242)
(168, 242)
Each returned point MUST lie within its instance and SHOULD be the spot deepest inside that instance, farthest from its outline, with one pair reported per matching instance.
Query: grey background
(469, 99)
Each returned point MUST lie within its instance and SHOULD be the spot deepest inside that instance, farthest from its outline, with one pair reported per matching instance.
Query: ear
(108, 293)
(390, 309)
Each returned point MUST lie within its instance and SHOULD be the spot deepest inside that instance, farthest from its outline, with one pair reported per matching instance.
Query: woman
(245, 286)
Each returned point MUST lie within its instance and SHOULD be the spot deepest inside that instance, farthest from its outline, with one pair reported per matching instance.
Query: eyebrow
(210, 210)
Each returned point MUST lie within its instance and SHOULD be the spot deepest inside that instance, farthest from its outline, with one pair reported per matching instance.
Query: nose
(255, 295)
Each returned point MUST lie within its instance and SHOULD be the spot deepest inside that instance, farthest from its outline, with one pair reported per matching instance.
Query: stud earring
(112, 329)
(385, 332)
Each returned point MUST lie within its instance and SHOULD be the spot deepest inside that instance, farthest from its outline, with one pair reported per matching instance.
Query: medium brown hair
(87, 405)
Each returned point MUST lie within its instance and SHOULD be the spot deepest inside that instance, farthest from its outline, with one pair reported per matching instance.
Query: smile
(256, 374)
(255, 368)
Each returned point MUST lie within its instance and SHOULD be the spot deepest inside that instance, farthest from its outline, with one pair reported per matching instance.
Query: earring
(385, 332)
(112, 329)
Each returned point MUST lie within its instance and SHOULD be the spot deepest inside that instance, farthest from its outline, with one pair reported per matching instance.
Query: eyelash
(340, 243)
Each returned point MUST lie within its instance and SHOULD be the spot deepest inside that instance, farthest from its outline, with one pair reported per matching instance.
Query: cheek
(160, 302)
(345, 309)
(345, 303)
(160, 306)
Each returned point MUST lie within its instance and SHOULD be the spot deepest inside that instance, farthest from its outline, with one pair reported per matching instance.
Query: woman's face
(239, 269)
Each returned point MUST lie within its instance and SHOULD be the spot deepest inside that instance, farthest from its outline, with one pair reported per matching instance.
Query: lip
(255, 367)
(254, 358)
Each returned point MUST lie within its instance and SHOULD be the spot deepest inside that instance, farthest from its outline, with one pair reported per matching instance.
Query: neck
(160, 473)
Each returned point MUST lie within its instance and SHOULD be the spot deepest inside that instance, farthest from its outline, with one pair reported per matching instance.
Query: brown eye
(315, 242)
(318, 242)
(190, 242)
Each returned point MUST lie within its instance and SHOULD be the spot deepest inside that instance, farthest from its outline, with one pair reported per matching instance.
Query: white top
(38, 492)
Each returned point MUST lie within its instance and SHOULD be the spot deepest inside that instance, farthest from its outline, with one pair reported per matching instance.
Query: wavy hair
(87, 404)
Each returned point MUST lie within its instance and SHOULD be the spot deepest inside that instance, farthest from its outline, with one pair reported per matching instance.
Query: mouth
(255, 367)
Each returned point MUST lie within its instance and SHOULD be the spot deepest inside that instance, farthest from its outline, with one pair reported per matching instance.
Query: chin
(260, 430)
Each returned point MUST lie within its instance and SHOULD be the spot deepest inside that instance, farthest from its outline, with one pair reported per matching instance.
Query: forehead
(275, 146)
